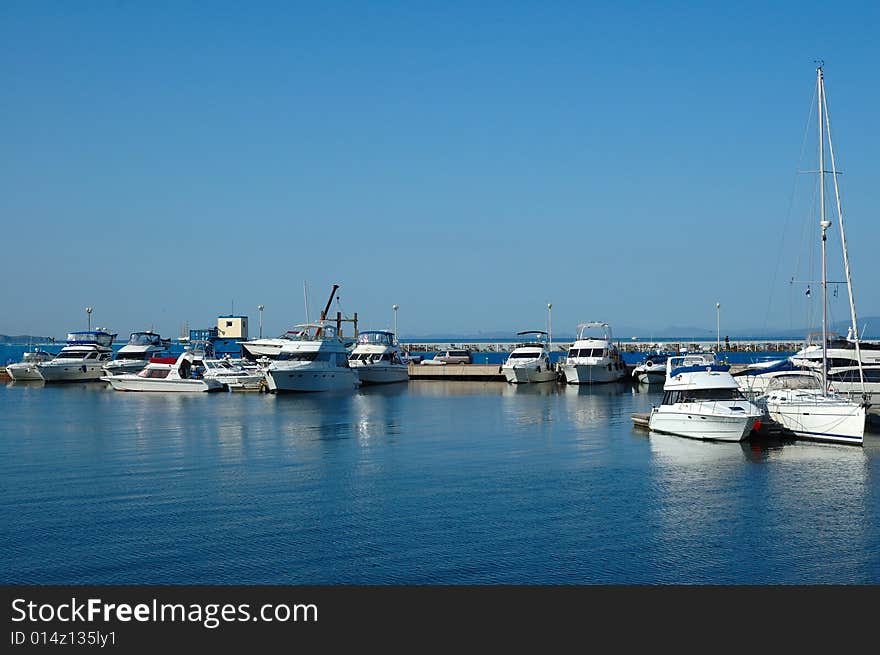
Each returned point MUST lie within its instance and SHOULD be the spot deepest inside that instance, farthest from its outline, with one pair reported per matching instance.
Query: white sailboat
(810, 412)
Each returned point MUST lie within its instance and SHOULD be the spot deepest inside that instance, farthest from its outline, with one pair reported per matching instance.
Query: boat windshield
(696, 395)
(800, 381)
(586, 352)
(376, 338)
(100, 338)
(532, 355)
(144, 339)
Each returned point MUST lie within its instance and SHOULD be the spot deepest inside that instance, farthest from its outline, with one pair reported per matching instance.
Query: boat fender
(649, 363)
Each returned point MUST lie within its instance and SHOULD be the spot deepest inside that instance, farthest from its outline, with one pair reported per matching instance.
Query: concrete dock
(483, 372)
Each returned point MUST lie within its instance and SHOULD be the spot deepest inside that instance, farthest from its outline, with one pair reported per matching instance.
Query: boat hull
(72, 371)
(697, 425)
(592, 373)
(24, 372)
(815, 423)
(528, 374)
(378, 374)
(137, 383)
(651, 377)
(303, 380)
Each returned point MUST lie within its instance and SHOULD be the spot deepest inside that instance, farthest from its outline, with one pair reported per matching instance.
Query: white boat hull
(651, 377)
(242, 382)
(136, 383)
(304, 380)
(72, 371)
(833, 425)
(592, 373)
(530, 373)
(382, 374)
(701, 425)
(22, 372)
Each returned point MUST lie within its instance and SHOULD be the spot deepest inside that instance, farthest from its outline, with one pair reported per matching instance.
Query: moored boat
(701, 400)
(166, 374)
(317, 361)
(27, 369)
(81, 360)
(378, 359)
(529, 361)
(137, 352)
(593, 358)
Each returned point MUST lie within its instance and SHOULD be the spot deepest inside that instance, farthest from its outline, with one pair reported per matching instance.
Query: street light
(260, 309)
(89, 314)
(395, 308)
(718, 310)
(550, 324)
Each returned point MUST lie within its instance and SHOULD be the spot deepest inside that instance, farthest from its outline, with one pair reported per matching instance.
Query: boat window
(143, 339)
(157, 373)
(297, 356)
(712, 394)
(375, 338)
(524, 355)
(852, 375)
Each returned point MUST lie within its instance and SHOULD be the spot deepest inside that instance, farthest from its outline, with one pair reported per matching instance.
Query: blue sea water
(419, 483)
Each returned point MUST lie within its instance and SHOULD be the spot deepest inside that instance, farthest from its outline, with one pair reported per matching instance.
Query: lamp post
(395, 308)
(260, 309)
(718, 312)
(89, 315)
(550, 324)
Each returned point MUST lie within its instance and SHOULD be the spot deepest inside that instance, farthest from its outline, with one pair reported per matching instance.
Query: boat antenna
(306, 299)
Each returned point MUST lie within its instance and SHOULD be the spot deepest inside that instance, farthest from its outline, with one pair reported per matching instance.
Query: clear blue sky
(628, 162)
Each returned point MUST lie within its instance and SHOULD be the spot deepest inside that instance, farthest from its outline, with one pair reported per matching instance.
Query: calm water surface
(430, 482)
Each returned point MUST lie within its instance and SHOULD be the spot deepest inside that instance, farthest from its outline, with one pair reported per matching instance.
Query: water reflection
(588, 404)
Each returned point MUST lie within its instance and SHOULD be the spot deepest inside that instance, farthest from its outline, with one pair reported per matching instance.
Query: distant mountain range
(625, 333)
(23, 340)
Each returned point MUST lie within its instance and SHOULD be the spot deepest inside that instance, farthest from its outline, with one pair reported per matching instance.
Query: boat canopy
(147, 338)
(587, 331)
(376, 338)
(99, 337)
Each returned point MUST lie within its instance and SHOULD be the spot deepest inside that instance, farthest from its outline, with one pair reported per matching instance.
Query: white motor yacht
(166, 374)
(270, 347)
(378, 359)
(317, 361)
(652, 370)
(134, 355)
(838, 352)
(701, 400)
(234, 374)
(797, 402)
(593, 358)
(26, 369)
(82, 359)
(529, 361)
(860, 386)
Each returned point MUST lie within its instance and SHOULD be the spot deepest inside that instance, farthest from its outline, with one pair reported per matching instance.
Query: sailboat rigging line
(852, 303)
(788, 212)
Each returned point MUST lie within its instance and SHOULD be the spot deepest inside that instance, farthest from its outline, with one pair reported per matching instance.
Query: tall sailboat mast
(824, 224)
